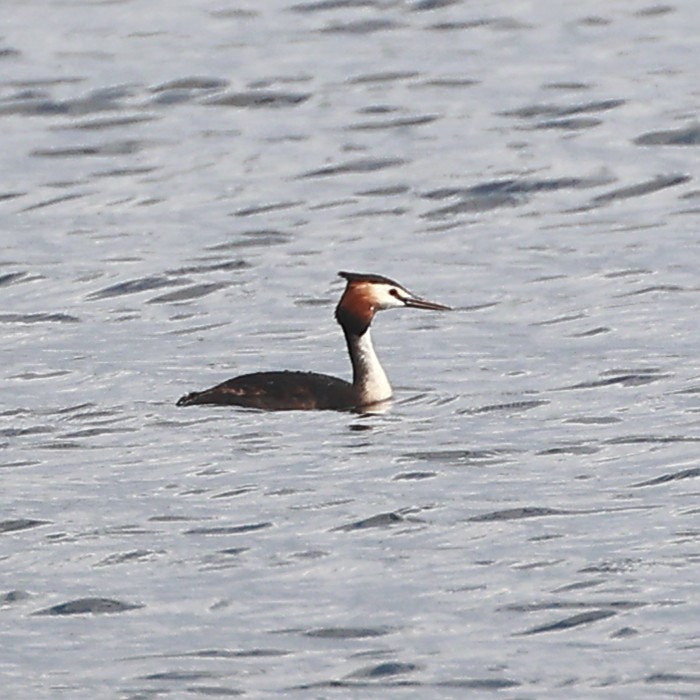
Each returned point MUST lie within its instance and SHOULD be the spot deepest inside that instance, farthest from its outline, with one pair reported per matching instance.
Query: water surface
(182, 181)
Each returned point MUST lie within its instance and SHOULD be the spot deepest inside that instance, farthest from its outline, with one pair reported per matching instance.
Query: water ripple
(692, 473)
(228, 530)
(641, 189)
(687, 136)
(348, 632)
(135, 286)
(259, 98)
(20, 524)
(519, 514)
(91, 606)
(567, 623)
(39, 318)
(362, 165)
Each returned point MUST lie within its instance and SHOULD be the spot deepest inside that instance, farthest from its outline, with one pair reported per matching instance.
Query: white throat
(368, 376)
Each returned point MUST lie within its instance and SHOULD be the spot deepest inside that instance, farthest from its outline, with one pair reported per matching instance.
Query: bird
(364, 295)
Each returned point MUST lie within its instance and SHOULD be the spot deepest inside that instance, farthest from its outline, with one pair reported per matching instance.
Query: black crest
(366, 277)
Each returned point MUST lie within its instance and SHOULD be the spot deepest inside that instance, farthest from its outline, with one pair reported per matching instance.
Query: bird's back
(279, 391)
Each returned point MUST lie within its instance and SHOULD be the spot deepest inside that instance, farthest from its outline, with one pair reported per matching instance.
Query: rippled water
(181, 182)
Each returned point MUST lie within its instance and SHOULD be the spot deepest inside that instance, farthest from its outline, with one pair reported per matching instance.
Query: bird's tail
(189, 399)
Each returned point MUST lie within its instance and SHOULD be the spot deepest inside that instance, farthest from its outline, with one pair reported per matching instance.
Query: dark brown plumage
(279, 391)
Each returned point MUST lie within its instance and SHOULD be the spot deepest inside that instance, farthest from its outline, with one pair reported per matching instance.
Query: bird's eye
(394, 292)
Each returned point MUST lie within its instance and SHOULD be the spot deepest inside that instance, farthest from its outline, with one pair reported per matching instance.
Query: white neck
(368, 376)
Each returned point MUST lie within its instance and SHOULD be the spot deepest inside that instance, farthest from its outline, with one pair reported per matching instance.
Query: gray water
(180, 184)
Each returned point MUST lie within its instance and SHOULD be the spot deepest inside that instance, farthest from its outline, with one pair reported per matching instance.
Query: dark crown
(366, 277)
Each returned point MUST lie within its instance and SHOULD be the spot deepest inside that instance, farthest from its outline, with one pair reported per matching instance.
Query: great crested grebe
(364, 295)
